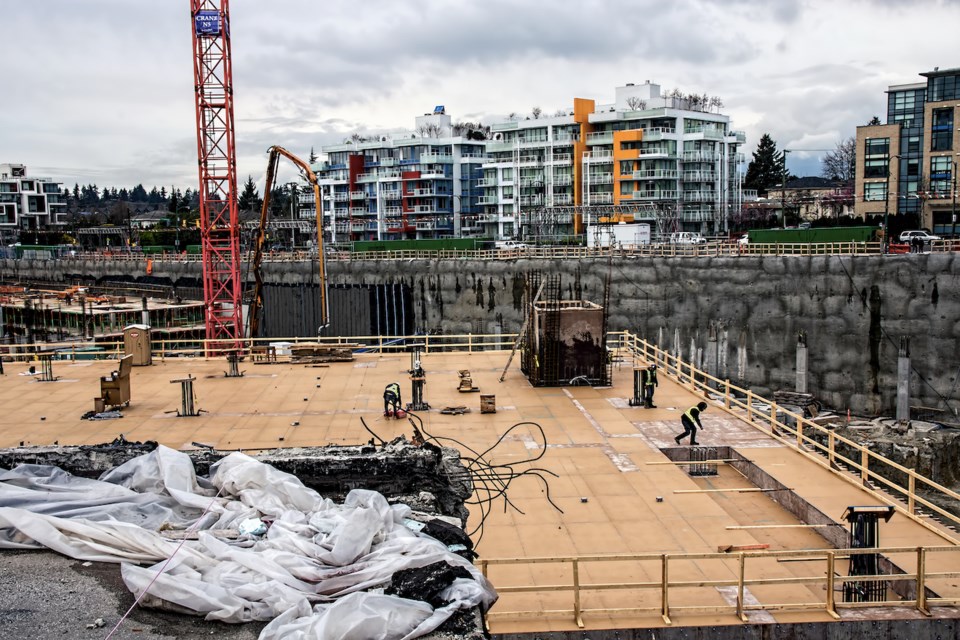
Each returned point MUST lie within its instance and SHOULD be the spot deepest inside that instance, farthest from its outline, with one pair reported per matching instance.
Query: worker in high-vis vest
(391, 399)
(649, 379)
(690, 421)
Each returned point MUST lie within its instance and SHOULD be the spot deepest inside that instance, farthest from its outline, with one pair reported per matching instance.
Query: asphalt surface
(45, 595)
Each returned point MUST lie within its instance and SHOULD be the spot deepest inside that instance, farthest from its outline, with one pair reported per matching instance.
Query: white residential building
(29, 203)
(415, 185)
(672, 159)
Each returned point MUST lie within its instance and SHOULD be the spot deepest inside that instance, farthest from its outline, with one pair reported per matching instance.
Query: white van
(686, 237)
(510, 244)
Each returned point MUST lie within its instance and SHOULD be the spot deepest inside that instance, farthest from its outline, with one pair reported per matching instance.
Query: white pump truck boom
(256, 303)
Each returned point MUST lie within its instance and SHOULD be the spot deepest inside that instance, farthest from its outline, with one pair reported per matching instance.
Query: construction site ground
(615, 489)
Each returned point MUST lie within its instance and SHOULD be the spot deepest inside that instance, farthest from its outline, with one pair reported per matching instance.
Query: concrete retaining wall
(853, 309)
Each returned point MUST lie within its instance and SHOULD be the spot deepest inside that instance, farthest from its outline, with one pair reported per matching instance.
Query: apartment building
(29, 203)
(909, 164)
(417, 185)
(671, 158)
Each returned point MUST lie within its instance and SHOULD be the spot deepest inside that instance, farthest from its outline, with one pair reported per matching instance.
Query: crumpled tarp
(314, 575)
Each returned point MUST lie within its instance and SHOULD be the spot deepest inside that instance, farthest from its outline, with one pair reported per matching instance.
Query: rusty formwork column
(903, 381)
(802, 363)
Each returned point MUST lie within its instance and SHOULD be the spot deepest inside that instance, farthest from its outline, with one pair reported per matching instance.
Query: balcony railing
(600, 178)
(600, 198)
(665, 194)
(600, 137)
(699, 156)
(656, 174)
(357, 195)
(699, 176)
(699, 196)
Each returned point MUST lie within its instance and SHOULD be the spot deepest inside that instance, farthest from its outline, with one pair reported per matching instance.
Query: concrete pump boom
(256, 304)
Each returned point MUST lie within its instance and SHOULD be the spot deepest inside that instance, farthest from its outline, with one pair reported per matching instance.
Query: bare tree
(716, 102)
(430, 130)
(636, 104)
(559, 113)
(840, 164)
(536, 112)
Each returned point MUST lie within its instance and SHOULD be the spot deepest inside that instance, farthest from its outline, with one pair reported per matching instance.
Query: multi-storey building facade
(422, 185)
(29, 203)
(909, 164)
(677, 165)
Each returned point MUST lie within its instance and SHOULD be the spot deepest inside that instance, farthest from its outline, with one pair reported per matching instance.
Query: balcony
(602, 157)
(699, 176)
(657, 133)
(423, 193)
(655, 152)
(600, 137)
(700, 156)
(532, 182)
(655, 195)
(341, 196)
(531, 201)
(600, 198)
(562, 181)
(487, 182)
(562, 199)
(425, 225)
(656, 174)
(600, 178)
(392, 211)
(358, 226)
(699, 196)
(389, 175)
(487, 200)
(568, 138)
(436, 158)
(390, 194)
(423, 208)
(388, 162)
(367, 177)
(561, 157)
(341, 212)
(357, 195)
(530, 160)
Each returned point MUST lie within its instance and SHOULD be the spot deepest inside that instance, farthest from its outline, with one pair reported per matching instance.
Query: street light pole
(953, 227)
(886, 208)
(783, 190)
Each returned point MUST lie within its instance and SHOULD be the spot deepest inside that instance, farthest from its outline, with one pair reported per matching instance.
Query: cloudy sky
(101, 91)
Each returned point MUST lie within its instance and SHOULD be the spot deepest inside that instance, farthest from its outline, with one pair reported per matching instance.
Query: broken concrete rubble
(86, 461)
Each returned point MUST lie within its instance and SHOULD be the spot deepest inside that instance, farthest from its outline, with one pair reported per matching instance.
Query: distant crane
(217, 162)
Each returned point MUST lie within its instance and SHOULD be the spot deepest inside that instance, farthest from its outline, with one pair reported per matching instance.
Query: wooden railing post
(749, 405)
(664, 584)
(831, 448)
(831, 584)
(864, 464)
(726, 393)
(576, 593)
(740, 578)
(800, 433)
(773, 417)
(469, 343)
(911, 492)
(921, 581)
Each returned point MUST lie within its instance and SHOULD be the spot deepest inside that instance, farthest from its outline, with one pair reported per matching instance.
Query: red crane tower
(219, 228)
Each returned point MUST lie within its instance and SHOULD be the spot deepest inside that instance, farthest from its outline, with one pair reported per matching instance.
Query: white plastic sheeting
(315, 574)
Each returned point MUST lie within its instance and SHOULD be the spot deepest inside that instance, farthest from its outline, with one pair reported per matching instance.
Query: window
(941, 175)
(875, 168)
(874, 191)
(878, 146)
(941, 141)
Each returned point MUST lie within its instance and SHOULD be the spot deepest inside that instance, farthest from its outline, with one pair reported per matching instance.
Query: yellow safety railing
(816, 442)
(745, 571)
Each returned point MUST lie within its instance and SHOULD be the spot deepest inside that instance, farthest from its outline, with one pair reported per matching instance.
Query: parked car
(510, 244)
(687, 237)
(907, 236)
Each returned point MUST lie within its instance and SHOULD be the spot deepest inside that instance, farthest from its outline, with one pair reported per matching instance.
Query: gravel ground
(45, 595)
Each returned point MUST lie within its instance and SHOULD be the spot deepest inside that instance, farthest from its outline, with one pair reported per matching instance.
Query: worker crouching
(391, 401)
(690, 421)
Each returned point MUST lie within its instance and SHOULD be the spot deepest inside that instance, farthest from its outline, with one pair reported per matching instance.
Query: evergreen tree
(767, 169)
(154, 196)
(313, 157)
(249, 197)
(174, 202)
(76, 191)
(874, 121)
(139, 194)
(123, 194)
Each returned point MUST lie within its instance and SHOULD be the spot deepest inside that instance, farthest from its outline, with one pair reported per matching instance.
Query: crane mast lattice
(217, 162)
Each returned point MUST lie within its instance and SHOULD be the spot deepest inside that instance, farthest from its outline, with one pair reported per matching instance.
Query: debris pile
(314, 568)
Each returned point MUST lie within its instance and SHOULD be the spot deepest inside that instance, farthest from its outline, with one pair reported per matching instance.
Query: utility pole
(783, 190)
(953, 227)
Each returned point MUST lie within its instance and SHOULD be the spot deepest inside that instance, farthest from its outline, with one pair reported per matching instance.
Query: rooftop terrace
(633, 520)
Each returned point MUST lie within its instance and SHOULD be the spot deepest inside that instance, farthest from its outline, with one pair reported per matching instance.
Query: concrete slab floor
(601, 448)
